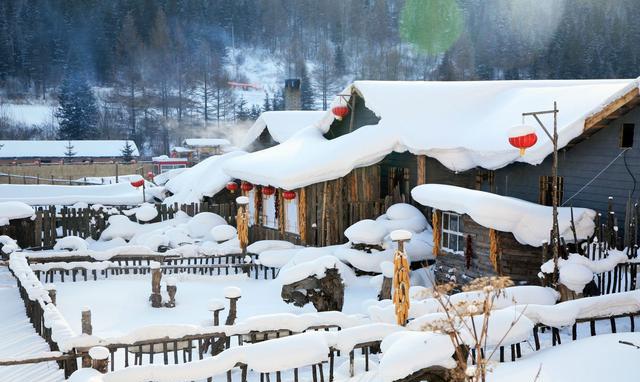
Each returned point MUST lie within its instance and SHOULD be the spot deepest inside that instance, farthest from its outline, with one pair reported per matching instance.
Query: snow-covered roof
(45, 194)
(529, 222)
(206, 142)
(57, 149)
(282, 125)
(461, 124)
(14, 210)
(204, 179)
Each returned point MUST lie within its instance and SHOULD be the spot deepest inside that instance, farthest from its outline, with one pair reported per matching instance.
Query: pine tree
(69, 153)
(306, 89)
(255, 112)
(266, 106)
(242, 114)
(78, 111)
(127, 151)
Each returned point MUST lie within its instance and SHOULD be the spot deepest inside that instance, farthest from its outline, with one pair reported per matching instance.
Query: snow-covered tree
(69, 150)
(127, 151)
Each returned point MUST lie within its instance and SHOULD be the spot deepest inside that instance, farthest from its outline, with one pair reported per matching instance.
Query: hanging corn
(436, 232)
(401, 282)
(242, 221)
(494, 249)
(302, 215)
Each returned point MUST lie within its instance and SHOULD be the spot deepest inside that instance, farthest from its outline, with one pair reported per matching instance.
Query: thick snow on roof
(282, 125)
(206, 142)
(461, 124)
(44, 194)
(204, 179)
(529, 222)
(14, 210)
(57, 149)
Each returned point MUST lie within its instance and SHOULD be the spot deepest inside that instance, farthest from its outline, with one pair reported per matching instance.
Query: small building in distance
(42, 151)
(164, 163)
(201, 148)
(274, 127)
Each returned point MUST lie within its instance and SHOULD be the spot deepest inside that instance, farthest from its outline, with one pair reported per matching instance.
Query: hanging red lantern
(522, 137)
(138, 183)
(289, 195)
(340, 111)
(246, 186)
(232, 186)
(268, 190)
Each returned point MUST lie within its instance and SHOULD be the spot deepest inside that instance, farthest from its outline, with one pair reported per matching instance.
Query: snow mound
(365, 232)
(316, 268)
(223, 232)
(9, 245)
(71, 243)
(14, 210)
(269, 245)
(45, 194)
(201, 224)
(146, 212)
(232, 292)
(530, 223)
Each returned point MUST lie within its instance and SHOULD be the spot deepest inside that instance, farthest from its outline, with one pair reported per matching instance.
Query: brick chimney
(292, 94)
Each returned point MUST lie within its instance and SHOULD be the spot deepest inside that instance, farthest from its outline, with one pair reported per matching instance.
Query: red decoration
(232, 186)
(268, 190)
(522, 137)
(340, 111)
(289, 195)
(138, 183)
(246, 186)
(149, 175)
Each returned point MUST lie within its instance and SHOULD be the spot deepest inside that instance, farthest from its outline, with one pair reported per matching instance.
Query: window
(291, 216)
(626, 135)
(269, 211)
(252, 206)
(546, 190)
(452, 236)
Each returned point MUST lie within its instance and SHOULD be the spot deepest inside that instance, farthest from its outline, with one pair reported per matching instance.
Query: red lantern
(289, 195)
(268, 190)
(232, 186)
(138, 183)
(522, 137)
(340, 111)
(149, 175)
(246, 186)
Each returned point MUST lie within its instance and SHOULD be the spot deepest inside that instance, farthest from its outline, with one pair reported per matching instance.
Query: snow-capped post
(140, 183)
(216, 306)
(156, 277)
(555, 239)
(87, 329)
(99, 358)
(242, 221)
(232, 294)
(51, 290)
(171, 291)
(401, 281)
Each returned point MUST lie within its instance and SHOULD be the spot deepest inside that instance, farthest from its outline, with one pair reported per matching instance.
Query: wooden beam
(610, 111)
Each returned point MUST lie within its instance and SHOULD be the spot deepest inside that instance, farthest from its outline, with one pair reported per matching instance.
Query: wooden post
(216, 306)
(51, 289)
(156, 277)
(86, 330)
(171, 291)
(99, 358)
(401, 281)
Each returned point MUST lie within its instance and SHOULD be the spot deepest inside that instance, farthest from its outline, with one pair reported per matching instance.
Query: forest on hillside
(157, 67)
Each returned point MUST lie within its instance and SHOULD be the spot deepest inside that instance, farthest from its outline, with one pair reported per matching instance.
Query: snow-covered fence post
(87, 329)
(233, 294)
(156, 277)
(171, 291)
(216, 306)
(51, 290)
(99, 358)
(401, 282)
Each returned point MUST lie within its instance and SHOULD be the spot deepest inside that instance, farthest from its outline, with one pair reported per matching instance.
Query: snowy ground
(19, 339)
(120, 304)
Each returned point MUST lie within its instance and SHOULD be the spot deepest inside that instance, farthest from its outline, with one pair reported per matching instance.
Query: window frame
(629, 135)
(449, 232)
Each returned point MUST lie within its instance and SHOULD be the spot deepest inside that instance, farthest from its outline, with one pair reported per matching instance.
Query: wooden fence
(52, 222)
(622, 278)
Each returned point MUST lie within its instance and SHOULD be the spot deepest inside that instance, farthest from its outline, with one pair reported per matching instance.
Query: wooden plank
(595, 121)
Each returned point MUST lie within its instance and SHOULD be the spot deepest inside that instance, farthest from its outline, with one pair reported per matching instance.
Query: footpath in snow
(19, 338)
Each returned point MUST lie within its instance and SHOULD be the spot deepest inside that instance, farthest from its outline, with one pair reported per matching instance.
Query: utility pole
(555, 245)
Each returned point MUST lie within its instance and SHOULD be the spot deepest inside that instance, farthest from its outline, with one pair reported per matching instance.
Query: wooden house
(275, 127)
(401, 134)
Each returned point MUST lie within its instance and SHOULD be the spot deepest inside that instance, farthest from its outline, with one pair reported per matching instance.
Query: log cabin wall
(518, 261)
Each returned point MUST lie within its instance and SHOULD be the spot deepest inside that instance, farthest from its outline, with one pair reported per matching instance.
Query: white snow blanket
(412, 116)
(529, 222)
(204, 179)
(44, 194)
(57, 149)
(14, 210)
(282, 124)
